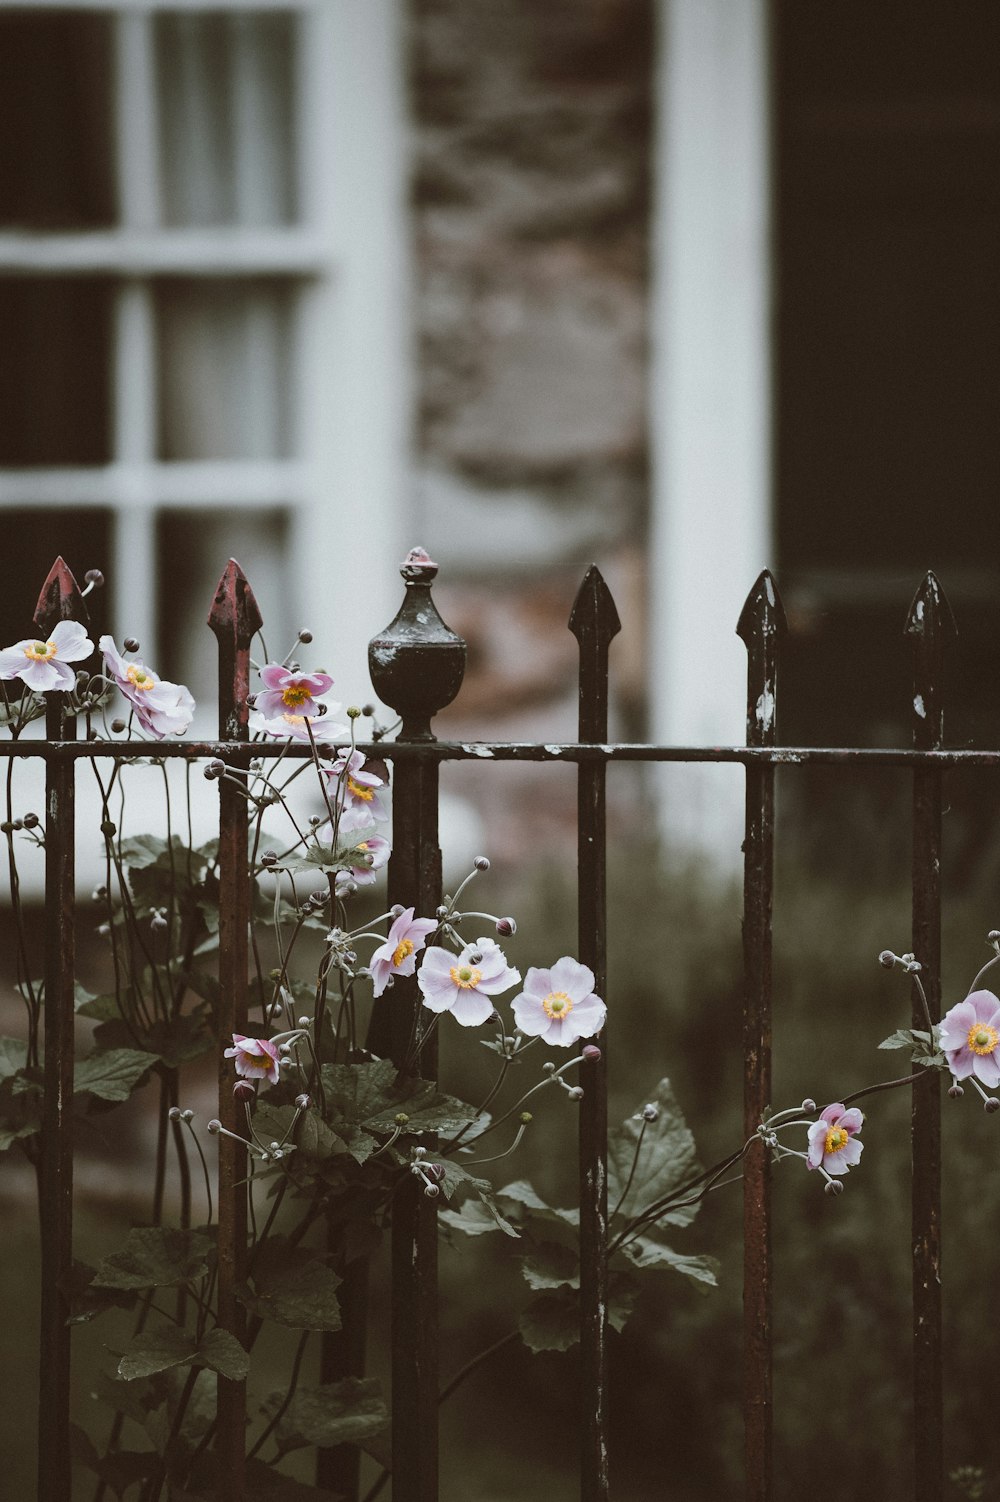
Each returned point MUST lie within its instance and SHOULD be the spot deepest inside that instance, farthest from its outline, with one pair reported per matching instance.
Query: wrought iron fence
(417, 666)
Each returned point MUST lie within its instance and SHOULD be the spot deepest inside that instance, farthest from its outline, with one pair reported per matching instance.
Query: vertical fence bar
(234, 618)
(931, 626)
(416, 666)
(60, 600)
(761, 626)
(594, 622)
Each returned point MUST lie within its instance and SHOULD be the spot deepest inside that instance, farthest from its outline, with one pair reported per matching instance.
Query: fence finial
(594, 611)
(417, 663)
(60, 599)
(763, 614)
(929, 613)
(931, 627)
(235, 612)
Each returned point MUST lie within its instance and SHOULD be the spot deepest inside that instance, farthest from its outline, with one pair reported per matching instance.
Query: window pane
(55, 137)
(32, 543)
(224, 361)
(225, 95)
(55, 349)
(193, 548)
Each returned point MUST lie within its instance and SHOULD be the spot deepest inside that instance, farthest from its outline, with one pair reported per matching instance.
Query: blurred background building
(686, 287)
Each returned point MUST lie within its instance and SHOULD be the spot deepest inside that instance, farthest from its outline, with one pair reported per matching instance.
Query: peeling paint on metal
(918, 704)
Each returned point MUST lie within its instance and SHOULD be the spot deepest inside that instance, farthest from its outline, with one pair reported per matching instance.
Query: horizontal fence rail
(417, 669)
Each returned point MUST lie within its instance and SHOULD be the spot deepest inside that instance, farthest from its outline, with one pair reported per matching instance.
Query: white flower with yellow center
(465, 984)
(559, 1005)
(161, 707)
(398, 955)
(43, 664)
(833, 1144)
(970, 1037)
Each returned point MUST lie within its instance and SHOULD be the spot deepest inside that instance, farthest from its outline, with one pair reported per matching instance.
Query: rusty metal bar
(234, 618)
(416, 667)
(549, 751)
(60, 600)
(761, 626)
(594, 622)
(931, 626)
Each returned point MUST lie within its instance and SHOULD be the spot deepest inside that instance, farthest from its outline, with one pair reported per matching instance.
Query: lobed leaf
(666, 1158)
(156, 1257)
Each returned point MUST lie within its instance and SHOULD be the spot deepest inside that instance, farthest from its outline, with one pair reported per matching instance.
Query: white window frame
(347, 255)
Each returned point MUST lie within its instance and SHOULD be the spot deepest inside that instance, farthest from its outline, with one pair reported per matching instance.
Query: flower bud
(130, 644)
(321, 896)
(991, 1105)
(368, 710)
(353, 712)
(18, 824)
(506, 927)
(650, 1113)
(303, 1102)
(993, 937)
(808, 1104)
(482, 863)
(575, 1092)
(887, 959)
(431, 1192)
(834, 1186)
(6, 827)
(435, 1172)
(401, 1118)
(525, 1118)
(187, 1116)
(174, 1114)
(210, 774)
(955, 1091)
(548, 1067)
(913, 967)
(158, 922)
(214, 1127)
(591, 1053)
(269, 857)
(420, 1152)
(440, 911)
(315, 819)
(305, 636)
(243, 1090)
(95, 577)
(82, 680)
(476, 958)
(30, 820)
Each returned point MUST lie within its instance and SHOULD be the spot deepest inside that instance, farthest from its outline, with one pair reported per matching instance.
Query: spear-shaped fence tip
(929, 613)
(60, 599)
(235, 613)
(594, 611)
(763, 614)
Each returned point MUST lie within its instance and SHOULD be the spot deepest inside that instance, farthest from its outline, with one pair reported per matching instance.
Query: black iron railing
(417, 668)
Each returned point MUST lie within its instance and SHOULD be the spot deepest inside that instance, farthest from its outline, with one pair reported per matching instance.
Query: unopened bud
(476, 958)
(808, 1104)
(305, 636)
(506, 927)
(834, 1186)
(95, 577)
(441, 911)
(269, 857)
(887, 959)
(575, 1092)
(320, 896)
(955, 1091)
(548, 1067)
(214, 1127)
(650, 1113)
(353, 712)
(401, 1118)
(420, 1152)
(526, 1117)
(913, 967)
(991, 1105)
(303, 1102)
(591, 1052)
(397, 910)
(482, 863)
(435, 1172)
(30, 820)
(243, 1090)
(993, 937)
(174, 1114)
(315, 819)
(187, 1116)
(82, 680)
(130, 644)
(368, 710)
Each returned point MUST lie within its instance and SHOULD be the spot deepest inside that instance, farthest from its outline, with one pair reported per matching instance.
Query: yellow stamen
(41, 651)
(295, 694)
(557, 1004)
(402, 951)
(465, 977)
(836, 1138)
(139, 677)
(365, 794)
(982, 1038)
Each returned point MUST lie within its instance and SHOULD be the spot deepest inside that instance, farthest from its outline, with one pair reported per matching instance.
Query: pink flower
(559, 1005)
(357, 793)
(372, 854)
(290, 693)
(42, 665)
(256, 1058)
(293, 726)
(833, 1145)
(970, 1037)
(162, 708)
(398, 955)
(463, 984)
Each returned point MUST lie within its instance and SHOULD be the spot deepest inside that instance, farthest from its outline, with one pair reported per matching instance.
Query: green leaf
(111, 1074)
(13, 1057)
(666, 1158)
(551, 1322)
(311, 1136)
(373, 1094)
(224, 1354)
(646, 1251)
(293, 1287)
(156, 1257)
(473, 1219)
(551, 1266)
(86, 1302)
(337, 1413)
(923, 1047)
(136, 1400)
(176, 1041)
(153, 1351)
